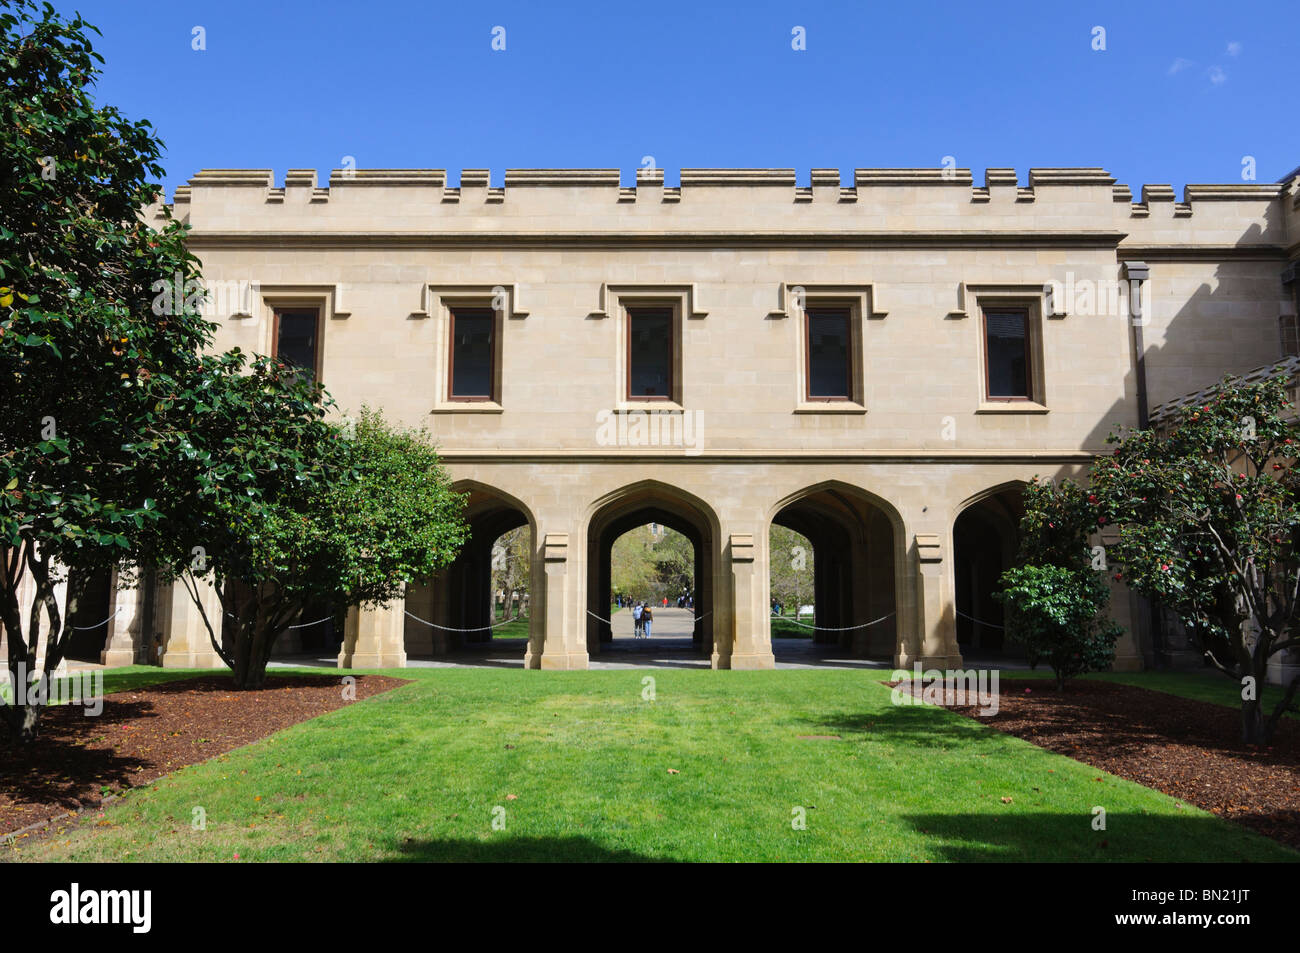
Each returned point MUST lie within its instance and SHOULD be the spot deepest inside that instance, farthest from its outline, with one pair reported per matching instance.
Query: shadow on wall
(1229, 324)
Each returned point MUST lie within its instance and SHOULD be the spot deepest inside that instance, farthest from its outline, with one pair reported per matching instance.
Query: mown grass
(584, 766)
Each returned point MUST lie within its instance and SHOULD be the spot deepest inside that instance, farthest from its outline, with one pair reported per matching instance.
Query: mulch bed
(77, 761)
(1190, 750)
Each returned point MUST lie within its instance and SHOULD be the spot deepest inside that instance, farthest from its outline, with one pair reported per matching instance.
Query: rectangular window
(297, 339)
(1006, 354)
(650, 354)
(830, 354)
(473, 351)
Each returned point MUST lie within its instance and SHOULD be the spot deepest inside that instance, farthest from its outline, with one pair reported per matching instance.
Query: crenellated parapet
(746, 203)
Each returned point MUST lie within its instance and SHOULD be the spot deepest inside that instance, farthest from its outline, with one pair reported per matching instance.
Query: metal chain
(87, 628)
(847, 628)
(446, 628)
(979, 621)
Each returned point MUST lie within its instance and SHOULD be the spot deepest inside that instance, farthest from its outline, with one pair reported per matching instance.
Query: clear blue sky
(1181, 93)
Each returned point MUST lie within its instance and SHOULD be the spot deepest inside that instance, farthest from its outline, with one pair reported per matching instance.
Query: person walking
(647, 616)
(638, 621)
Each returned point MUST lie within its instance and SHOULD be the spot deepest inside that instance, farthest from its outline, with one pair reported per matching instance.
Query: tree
(1057, 615)
(631, 567)
(792, 567)
(673, 555)
(511, 568)
(1207, 513)
(1055, 601)
(342, 514)
(88, 372)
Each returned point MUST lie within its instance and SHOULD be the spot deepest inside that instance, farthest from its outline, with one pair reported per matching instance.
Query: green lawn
(577, 764)
(123, 679)
(785, 627)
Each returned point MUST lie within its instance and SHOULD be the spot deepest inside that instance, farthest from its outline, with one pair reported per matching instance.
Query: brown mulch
(1190, 750)
(77, 761)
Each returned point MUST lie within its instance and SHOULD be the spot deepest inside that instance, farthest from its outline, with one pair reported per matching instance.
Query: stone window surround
(795, 298)
(1029, 298)
(438, 301)
(615, 300)
(266, 300)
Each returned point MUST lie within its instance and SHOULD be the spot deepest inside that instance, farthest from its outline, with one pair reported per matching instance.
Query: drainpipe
(1137, 272)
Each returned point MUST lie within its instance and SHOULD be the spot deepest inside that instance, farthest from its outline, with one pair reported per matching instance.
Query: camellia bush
(306, 512)
(88, 372)
(1207, 512)
(1055, 601)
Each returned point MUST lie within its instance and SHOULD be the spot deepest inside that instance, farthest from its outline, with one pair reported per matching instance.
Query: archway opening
(653, 581)
(481, 600)
(836, 548)
(984, 537)
(675, 543)
(88, 625)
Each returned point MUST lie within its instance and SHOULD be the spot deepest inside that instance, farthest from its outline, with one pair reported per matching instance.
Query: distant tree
(791, 562)
(1208, 512)
(674, 560)
(512, 566)
(632, 569)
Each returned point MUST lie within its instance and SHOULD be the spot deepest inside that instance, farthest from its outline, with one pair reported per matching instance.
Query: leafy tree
(1207, 512)
(88, 372)
(1054, 599)
(792, 567)
(311, 512)
(632, 568)
(512, 563)
(1057, 614)
(674, 561)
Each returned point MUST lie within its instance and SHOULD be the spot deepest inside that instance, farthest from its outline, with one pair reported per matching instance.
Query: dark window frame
(278, 310)
(674, 351)
(492, 397)
(1031, 379)
(850, 379)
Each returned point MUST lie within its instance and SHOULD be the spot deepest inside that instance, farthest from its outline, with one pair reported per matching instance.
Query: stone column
(936, 640)
(751, 646)
(375, 638)
(422, 639)
(187, 643)
(564, 634)
(127, 626)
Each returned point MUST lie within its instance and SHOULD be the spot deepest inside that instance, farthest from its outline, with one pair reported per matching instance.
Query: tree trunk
(1253, 730)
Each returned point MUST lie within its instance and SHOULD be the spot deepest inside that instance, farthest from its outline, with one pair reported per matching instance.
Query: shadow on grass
(224, 683)
(515, 850)
(58, 769)
(997, 836)
(916, 727)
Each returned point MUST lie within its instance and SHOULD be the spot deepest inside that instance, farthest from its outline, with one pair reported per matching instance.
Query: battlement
(729, 201)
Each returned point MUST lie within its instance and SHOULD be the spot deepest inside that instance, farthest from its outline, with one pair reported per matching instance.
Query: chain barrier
(978, 621)
(447, 628)
(847, 628)
(87, 628)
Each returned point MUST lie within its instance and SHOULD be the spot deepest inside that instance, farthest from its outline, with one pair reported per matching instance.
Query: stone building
(879, 365)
